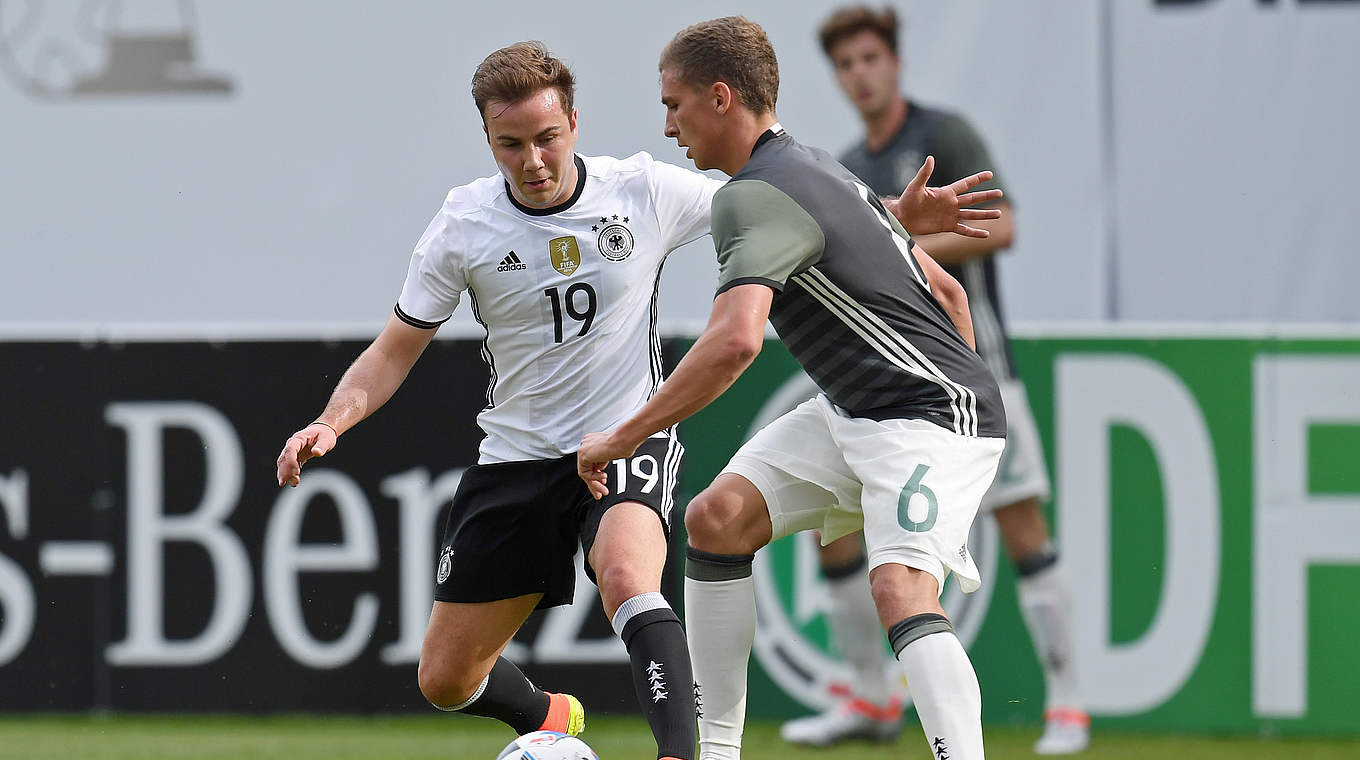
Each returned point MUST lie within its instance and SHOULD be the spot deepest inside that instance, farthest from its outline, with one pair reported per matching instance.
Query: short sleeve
(684, 203)
(436, 277)
(762, 235)
(960, 152)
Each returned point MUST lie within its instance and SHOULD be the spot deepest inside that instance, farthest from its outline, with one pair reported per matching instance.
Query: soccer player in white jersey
(559, 256)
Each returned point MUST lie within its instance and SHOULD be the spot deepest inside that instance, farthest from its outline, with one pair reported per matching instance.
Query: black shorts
(513, 527)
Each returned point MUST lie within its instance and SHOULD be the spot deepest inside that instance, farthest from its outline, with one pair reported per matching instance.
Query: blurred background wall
(272, 164)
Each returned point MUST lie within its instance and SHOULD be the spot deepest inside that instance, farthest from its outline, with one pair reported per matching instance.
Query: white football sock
(720, 623)
(1046, 604)
(943, 686)
(858, 635)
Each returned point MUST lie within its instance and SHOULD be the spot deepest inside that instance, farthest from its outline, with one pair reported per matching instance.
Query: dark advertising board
(149, 561)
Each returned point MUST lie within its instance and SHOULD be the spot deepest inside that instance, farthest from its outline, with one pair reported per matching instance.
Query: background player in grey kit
(905, 438)
(862, 46)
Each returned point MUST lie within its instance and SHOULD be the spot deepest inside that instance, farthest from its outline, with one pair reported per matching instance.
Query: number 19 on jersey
(568, 302)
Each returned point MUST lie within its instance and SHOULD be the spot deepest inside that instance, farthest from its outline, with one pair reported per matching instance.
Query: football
(547, 745)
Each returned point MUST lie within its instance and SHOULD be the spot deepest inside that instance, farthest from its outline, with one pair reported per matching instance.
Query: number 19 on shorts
(643, 469)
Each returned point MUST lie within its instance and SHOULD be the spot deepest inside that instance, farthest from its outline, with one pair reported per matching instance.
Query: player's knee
(445, 685)
(900, 591)
(620, 581)
(703, 519)
(717, 521)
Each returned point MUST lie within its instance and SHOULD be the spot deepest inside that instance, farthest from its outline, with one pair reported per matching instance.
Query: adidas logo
(511, 263)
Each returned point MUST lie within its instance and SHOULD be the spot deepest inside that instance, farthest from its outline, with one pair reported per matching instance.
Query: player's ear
(571, 120)
(722, 97)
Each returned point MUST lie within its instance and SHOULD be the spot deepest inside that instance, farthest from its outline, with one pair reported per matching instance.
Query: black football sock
(508, 696)
(662, 676)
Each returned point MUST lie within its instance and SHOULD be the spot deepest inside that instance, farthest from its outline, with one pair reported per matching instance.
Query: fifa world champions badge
(565, 254)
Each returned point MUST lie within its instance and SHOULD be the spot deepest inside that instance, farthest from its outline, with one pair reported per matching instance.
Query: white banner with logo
(172, 162)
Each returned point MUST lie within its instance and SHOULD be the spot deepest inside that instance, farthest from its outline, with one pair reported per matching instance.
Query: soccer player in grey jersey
(861, 44)
(903, 441)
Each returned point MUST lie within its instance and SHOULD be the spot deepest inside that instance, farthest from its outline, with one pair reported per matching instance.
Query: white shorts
(912, 486)
(1022, 474)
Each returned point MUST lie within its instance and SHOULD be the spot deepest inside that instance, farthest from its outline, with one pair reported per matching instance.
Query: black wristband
(327, 424)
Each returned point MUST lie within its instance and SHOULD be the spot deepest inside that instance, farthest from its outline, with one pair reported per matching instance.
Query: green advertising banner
(1207, 511)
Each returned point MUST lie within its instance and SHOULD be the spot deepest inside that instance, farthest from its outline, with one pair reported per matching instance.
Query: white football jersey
(567, 295)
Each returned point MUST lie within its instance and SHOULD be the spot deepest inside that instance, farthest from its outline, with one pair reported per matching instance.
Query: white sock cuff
(1052, 577)
(651, 600)
(475, 695)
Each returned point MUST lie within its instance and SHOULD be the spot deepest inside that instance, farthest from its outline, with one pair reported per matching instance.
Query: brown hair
(513, 73)
(851, 20)
(731, 50)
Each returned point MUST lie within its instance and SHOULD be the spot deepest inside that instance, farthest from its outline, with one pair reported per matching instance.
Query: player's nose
(533, 158)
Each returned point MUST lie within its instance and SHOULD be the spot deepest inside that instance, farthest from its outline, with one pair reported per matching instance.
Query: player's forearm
(950, 249)
(962, 319)
(948, 292)
(709, 368)
(368, 383)
(954, 299)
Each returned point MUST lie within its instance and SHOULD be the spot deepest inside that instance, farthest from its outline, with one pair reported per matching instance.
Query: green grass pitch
(440, 737)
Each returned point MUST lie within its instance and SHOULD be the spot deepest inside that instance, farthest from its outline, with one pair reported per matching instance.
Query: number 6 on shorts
(917, 501)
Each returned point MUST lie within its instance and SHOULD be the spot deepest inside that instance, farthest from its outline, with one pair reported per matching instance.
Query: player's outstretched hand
(596, 452)
(926, 210)
(312, 441)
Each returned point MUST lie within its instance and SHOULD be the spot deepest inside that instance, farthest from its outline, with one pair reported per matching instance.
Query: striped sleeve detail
(892, 346)
(761, 233)
(774, 285)
(412, 321)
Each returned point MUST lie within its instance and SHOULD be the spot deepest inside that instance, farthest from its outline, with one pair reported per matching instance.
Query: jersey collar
(559, 208)
(775, 130)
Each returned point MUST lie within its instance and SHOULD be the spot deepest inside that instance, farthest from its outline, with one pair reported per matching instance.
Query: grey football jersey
(851, 302)
(958, 152)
